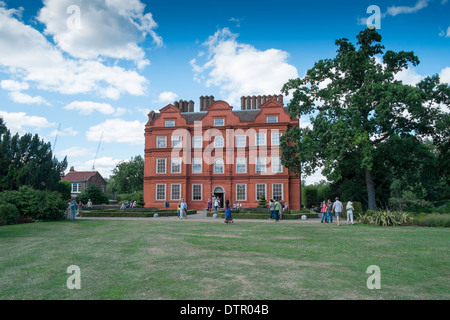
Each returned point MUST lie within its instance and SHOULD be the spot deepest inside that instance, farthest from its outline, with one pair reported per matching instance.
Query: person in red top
(323, 210)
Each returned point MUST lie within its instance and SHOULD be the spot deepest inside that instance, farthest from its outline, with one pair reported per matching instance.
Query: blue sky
(96, 68)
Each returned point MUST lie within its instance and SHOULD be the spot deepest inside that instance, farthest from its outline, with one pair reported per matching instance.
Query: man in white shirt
(337, 208)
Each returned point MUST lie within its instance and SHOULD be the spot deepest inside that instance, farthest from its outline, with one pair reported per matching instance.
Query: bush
(434, 220)
(9, 214)
(311, 197)
(386, 218)
(94, 193)
(34, 204)
(136, 196)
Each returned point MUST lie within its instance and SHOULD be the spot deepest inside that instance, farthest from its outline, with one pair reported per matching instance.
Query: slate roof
(79, 175)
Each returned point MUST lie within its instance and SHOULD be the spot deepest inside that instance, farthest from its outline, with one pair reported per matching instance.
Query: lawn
(176, 259)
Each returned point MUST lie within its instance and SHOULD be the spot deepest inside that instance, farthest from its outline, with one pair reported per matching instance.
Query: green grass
(176, 259)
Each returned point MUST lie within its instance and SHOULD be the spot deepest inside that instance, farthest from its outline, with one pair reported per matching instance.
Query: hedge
(130, 213)
(264, 215)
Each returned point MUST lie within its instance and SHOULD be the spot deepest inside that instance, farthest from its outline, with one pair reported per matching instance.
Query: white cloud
(420, 4)
(118, 130)
(240, 69)
(104, 165)
(15, 87)
(444, 75)
(88, 107)
(409, 76)
(35, 59)
(445, 33)
(76, 151)
(65, 132)
(103, 28)
(167, 96)
(12, 85)
(18, 122)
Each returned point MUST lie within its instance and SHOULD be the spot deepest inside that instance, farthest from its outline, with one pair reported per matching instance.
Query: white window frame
(276, 165)
(216, 144)
(274, 142)
(245, 192)
(282, 191)
(223, 166)
(156, 191)
(175, 142)
(157, 165)
(273, 119)
(201, 192)
(256, 190)
(158, 141)
(236, 142)
(173, 163)
(241, 161)
(172, 189)
(217, 124)
(169, 123)
(257, 139)
(260, 163)
(75, 187)
(196, 162)
(197, 142)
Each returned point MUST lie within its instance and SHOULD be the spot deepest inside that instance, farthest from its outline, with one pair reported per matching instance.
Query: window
(175, 191)
(161, 142)
(241, 192)
(276, 139)
(241, 141)
(76, 187)
(169, 123)
(177, 141)
(160, 192)
(197, 142)
(197, 165)
(241, 165)
(219, 122)
(277, 191)
(260, 165)
(272, 119)
(260, 139)
(218, 166)
(175, 165)
(219, 142)
(260, 190)
(276, 165)
(160, 165)
(197, 192)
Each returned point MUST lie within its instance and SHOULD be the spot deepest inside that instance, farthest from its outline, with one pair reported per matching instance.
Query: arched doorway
(220, 193)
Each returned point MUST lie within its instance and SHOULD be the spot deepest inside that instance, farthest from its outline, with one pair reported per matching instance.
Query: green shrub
(9, 214)
(94, 193)
(311, 197)
(435, 220)
(386, 218)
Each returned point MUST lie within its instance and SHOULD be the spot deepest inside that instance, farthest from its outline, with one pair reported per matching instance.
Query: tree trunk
(370, 189)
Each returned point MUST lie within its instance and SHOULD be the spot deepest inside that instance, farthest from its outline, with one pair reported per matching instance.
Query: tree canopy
(28, 160)
(128, 176)
(366, 125)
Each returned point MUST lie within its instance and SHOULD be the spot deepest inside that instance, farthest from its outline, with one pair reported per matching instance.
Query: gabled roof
(79, 175)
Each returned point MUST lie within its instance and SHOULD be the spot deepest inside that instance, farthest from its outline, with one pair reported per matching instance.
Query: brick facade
(239, 153)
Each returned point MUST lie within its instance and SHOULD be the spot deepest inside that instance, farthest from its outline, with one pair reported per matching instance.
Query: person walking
(277, 211)
(228, 217)
(329, 211)
(216, 204)
(209, 205)
(89, 205)
(73, 208)
(337, 208)
(350, 209)
(272, 209)
(323, 210)
(183, 208)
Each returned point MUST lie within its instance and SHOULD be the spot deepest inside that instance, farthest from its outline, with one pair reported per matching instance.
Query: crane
(100, 141)
(56, 138)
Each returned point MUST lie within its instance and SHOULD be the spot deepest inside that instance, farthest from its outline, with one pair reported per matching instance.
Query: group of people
(75, 208)
(128, 205)
(337, 207)
(276, 209)
(182, 209)
(216, 203)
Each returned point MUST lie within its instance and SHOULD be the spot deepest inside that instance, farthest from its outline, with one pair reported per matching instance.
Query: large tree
(128, 176)
(357, 107)
(28, 160)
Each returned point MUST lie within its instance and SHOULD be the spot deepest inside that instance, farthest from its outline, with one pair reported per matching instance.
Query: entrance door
(220, 193)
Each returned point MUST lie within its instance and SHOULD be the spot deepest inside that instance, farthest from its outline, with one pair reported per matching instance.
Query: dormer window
(169, 123)
(272, 119)
(219, 122)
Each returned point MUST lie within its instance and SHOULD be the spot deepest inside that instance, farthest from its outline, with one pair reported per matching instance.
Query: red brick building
(232, 154)
(80, 180)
